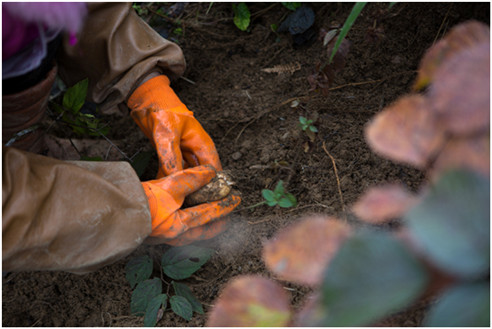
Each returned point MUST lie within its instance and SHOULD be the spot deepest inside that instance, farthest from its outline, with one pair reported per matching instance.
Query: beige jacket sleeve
(116, 50)
(71, 216)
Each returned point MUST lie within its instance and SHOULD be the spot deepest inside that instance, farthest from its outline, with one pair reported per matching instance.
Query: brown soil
(249, 115)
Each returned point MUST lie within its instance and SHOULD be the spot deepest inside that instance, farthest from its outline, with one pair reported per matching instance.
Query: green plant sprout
(81, 124)
(307, 126)
(148, 298)
(279, 196)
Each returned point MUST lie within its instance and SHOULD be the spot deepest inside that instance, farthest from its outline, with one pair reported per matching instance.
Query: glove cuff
(156, 94)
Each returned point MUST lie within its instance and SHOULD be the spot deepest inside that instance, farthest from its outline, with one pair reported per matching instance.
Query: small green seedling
(307, 126)
(148, 297)
(279, 196)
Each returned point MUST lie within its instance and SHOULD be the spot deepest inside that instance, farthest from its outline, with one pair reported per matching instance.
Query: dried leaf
(406, 131)
(458, 39)
(460, 93)
(251, 301)
(380, 204)
(472, 153)
(301, 252)
(285, 68)
(329, 36)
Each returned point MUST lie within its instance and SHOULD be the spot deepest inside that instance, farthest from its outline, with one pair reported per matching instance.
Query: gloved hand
(178, 137)
(175, 226)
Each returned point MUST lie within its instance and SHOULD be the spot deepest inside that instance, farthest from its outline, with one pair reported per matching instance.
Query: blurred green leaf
(452, 223)
(467, 305)
(279, 188)
(74, 97)
(184, 291)
(269, 196)
(181, 262)
(138, 269)
(372, 276)
(143, 294)
(347, 26)
(181, 307)
(150, 318)
(241, 16)
(287, 201)
(291, 5)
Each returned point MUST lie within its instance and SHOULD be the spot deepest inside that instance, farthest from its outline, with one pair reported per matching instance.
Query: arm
(116, 50)
(71, 216)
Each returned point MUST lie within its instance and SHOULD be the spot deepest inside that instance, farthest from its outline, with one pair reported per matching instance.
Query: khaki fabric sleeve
(116, 50)
(71, 216)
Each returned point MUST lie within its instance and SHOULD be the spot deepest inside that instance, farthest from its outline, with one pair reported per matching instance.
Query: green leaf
(347, 26)
(140, 162)
(279, 189)
(184, 291)
(291, 5)
(241, 16)
(467, 305)
(74, 97)
(303, 120)
(138, 269)
(372, 276)
(313, 129)
(286, 202)
(143, 294)
(181, 262)
(150, 318)
(452, 223)
(292, 199)
(269, 196)
(181, 307)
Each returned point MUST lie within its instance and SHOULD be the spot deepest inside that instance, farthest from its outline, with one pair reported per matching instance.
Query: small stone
(236, 155)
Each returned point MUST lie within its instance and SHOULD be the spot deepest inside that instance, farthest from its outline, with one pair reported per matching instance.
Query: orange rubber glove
(180, 142)
(176, 226)
(178, 137)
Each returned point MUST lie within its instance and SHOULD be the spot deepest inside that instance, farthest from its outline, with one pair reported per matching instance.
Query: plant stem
(254, 206)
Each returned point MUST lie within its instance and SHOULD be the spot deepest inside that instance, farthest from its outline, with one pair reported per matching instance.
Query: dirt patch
(249, 114)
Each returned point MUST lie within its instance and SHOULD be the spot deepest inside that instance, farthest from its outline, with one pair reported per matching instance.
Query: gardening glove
(178, 138)
(176, 226)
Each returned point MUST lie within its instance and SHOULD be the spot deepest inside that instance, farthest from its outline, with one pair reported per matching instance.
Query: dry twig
(338, 180)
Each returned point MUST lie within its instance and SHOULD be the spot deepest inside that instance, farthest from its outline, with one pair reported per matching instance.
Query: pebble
(236, 155)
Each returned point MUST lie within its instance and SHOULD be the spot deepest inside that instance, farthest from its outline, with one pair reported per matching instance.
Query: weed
(307, 126)
(279, 196)
(84, 124)
(70, 113)
(148, 297)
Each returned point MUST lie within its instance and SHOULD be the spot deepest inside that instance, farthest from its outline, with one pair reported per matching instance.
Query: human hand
(179, 139)
(176, 226)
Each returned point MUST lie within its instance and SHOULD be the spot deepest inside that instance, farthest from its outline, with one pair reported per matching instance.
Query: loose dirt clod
(217, 189)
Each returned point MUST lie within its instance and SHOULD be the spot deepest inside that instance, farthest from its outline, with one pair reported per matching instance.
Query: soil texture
(253, 117)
